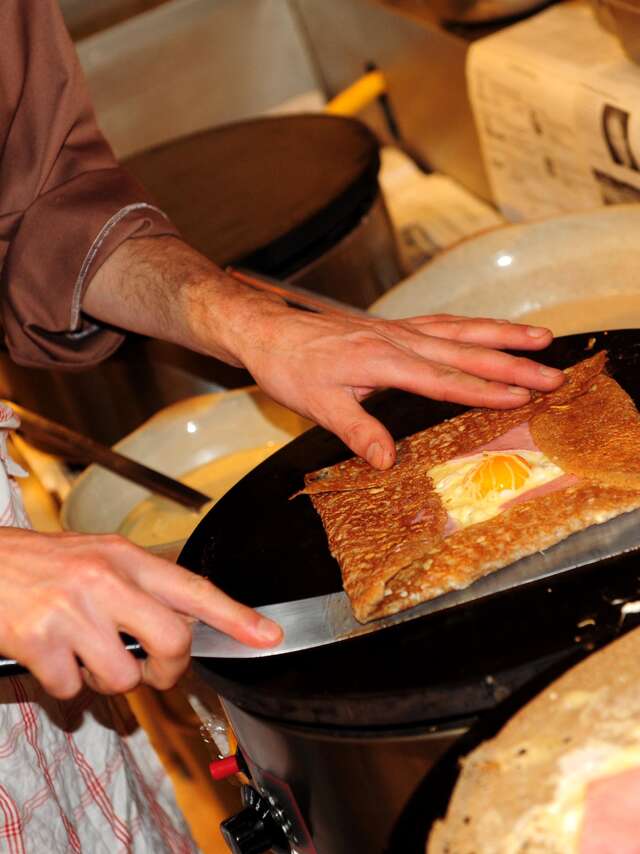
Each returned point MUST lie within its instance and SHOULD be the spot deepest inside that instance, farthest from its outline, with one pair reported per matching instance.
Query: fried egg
(475, 488)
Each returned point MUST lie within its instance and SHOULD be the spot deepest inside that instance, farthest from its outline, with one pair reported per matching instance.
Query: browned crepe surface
(505, 781)
(386, 528)
(457, 436)
(595, 436)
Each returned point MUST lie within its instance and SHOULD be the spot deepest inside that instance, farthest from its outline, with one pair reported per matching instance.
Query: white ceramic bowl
(574, 273)
(177, 440)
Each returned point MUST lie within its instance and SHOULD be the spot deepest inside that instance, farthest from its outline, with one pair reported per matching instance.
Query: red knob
(220, 769)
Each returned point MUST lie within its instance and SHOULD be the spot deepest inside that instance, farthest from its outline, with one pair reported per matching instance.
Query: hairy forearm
(319, 365)
(163, 288)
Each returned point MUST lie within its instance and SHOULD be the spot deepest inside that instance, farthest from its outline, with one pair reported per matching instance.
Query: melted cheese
(475, 488)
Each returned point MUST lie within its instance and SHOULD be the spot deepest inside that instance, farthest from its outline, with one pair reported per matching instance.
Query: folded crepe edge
(356, 474)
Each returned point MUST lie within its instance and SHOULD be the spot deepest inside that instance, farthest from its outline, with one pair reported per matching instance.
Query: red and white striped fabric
(76, 776)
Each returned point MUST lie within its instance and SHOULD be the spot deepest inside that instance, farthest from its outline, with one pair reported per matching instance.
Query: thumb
(361, 432)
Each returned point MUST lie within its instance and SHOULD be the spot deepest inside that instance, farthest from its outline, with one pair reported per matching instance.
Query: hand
(67, 596)
(320, 366)
(323, 366)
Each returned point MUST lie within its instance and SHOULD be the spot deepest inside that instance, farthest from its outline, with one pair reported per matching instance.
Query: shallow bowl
(573, 273)
(177, 440)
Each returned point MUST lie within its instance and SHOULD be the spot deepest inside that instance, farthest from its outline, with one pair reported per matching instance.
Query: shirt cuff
(60, 243)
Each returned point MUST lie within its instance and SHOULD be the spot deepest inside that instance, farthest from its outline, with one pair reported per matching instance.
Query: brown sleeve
(65, 204)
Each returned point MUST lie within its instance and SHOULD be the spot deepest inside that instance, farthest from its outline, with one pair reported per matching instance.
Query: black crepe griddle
(262, 548)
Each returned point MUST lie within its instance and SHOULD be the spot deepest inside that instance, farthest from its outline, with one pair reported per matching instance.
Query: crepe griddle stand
(338, 739)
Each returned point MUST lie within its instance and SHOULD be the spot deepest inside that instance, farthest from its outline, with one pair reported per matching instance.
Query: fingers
(361, 432)
(118, 681)
(193, 595)
(109, 602)
(162, 673)
(66, 599)
(395, 340)
(487, 363)
(340, 412)
(451, 384)
(410, 372)
(52, 648)
(57, 671)
(396, 356)
(164, 635)
(153, 610)
(107, 667)
(485, 331)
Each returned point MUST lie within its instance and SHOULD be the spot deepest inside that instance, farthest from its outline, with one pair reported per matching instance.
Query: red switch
(220, 769)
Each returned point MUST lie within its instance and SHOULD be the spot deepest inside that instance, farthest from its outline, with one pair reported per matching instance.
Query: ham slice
(561, 482)
(450, 526)
(611, 823)
(517, 439)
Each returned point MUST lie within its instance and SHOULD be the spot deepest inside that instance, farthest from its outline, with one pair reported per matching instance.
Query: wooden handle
(38, 428)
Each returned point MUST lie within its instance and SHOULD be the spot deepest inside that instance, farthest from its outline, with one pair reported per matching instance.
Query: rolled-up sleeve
(65, 204)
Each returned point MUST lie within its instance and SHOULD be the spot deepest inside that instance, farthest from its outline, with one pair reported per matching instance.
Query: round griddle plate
(262, 548)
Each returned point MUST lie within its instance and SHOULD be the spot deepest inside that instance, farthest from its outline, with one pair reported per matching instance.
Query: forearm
(65, 203)
(319, 365)
(163, 288)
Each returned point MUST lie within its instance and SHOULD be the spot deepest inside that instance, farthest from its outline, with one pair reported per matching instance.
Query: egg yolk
(499, 472)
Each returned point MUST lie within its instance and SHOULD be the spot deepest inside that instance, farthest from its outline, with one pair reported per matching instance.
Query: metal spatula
(327, 619)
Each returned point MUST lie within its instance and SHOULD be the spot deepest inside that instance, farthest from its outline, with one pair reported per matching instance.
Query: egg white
(451, 481)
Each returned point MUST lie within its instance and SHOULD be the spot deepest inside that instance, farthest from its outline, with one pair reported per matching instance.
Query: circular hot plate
(262, 548)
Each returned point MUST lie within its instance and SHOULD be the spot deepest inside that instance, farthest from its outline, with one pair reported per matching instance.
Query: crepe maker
(338, 739)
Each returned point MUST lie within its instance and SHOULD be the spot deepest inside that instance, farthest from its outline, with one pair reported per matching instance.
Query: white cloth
(77, 776)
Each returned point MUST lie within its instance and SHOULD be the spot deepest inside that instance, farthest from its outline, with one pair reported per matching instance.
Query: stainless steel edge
(306, 622)
(328, 619)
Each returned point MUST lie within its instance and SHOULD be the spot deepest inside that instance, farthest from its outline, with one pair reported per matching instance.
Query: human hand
(322, 366)
(65, 598)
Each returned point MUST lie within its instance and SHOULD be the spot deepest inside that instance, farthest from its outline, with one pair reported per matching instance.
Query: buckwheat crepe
(389, 530)
(563, 775)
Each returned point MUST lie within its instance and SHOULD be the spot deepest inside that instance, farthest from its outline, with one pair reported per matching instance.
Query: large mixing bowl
(573, 273)
(238, 426)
